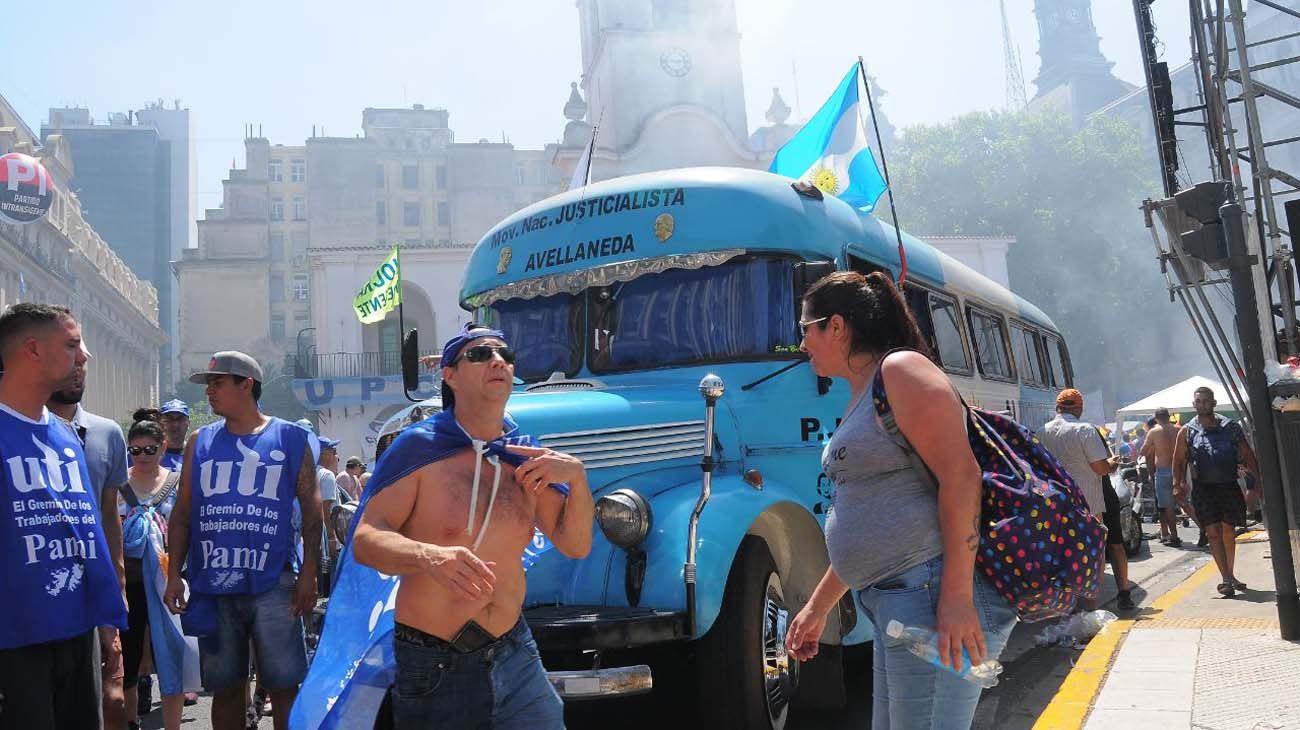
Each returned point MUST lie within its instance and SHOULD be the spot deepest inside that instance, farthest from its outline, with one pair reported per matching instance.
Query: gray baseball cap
(229, 362)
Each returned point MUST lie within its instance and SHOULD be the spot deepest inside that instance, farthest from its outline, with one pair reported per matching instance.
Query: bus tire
(746, 678)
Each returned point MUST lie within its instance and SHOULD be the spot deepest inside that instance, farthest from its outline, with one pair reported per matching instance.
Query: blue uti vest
(172, 460)
(54, 561)
(243, 490)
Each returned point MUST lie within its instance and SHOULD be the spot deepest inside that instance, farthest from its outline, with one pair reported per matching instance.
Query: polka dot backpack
(1040, 546)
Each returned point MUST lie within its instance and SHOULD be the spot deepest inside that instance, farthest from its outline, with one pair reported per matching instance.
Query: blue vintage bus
(619, 298)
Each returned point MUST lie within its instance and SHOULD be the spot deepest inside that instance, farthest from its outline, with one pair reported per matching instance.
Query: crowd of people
(195, 556)
(100, 524)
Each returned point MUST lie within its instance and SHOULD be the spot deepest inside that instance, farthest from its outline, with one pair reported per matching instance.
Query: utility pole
(1222, 236)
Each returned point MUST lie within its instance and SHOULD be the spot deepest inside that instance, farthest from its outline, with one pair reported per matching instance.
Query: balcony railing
(347, 364)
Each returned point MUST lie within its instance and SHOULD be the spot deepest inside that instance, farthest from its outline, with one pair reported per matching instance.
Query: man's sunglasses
(137, 450)
(483, 353)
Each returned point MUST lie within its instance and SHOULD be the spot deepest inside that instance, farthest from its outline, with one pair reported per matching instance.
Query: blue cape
(354, 666)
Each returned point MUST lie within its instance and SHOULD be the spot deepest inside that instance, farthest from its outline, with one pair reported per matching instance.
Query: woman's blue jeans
(909, 693)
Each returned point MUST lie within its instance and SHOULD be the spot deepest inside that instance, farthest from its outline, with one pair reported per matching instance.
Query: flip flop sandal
(1226, 590)
(1238, 585)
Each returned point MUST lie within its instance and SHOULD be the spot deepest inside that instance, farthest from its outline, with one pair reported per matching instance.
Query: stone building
(135, 176)
(61, 259)
(302, 227)
(1074, 77)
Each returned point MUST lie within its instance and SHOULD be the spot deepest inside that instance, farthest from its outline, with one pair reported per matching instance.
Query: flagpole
(889, 187)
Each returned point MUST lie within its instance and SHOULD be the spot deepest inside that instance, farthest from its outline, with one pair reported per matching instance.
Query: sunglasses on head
(483, 353)
(137, 450)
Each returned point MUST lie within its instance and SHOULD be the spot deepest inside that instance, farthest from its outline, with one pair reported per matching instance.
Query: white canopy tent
(1178, 398)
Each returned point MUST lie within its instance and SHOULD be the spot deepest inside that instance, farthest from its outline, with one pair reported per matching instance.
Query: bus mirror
(807, 272)
(411, 361)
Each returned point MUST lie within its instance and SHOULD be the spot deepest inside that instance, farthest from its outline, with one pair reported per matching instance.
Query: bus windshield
(545, 333)
(741, 310)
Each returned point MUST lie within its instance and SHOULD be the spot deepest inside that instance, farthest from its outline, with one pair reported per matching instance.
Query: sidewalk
(1191, 660)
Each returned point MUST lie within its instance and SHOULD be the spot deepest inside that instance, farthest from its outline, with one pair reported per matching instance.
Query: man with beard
(60, 538)
(176, 426)
(105, 449)
(1215, 447)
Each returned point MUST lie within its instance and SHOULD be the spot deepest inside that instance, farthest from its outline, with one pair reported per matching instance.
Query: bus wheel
(746, 676)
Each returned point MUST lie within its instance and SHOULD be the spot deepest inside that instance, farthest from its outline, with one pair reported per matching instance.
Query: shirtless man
(455, 529)
(1159, 451)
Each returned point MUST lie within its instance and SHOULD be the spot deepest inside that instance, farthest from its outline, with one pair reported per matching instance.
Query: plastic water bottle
(925, 644)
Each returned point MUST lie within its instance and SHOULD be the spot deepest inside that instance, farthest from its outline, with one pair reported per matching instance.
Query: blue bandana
(354, 664)
(453, 348)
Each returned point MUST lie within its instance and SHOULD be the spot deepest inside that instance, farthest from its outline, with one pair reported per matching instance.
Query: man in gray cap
(233, 530)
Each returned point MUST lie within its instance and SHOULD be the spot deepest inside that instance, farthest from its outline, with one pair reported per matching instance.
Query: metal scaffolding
(1250, 126)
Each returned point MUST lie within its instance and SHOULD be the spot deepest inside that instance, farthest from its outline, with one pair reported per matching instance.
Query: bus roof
(698, 210)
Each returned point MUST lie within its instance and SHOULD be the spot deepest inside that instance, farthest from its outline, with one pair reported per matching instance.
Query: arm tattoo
(973, 539)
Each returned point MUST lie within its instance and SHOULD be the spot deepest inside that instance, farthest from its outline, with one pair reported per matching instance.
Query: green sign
(382, 293)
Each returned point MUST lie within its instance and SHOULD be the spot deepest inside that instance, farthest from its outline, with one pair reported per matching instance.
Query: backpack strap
(128, 494)
(889, 425)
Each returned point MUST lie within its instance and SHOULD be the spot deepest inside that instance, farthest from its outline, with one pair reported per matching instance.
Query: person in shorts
(1216, 449)
(233, 530)
(1159, 452)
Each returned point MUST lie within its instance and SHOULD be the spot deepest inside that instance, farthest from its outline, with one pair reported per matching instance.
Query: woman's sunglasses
(803, 326)
(137, 450)
(483, 353)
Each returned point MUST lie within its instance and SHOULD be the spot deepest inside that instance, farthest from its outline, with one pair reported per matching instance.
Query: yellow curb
(1070, 707)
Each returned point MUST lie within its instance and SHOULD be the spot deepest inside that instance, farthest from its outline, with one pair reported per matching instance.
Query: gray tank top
(884, 517)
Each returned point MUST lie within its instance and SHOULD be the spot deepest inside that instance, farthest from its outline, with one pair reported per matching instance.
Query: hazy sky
(498, 65)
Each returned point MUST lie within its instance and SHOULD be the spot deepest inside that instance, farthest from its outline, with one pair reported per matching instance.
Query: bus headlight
(624, 517)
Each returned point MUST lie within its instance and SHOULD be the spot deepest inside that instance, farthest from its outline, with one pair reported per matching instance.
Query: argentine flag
(831, 151)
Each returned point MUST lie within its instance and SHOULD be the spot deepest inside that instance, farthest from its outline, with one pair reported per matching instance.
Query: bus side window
(1027, 344)
(1057, 358)
(918, 300)
(990, 338)
(949, 345)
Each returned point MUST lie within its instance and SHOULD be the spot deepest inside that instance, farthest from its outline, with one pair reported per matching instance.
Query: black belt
(470, 638)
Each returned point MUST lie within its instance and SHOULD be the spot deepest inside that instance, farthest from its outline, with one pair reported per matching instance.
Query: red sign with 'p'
(26, 190)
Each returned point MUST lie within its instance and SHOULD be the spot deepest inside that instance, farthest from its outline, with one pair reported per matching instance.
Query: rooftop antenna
(1011, 60)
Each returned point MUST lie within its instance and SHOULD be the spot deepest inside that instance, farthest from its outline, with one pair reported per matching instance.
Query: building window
(277, 326)
(277, 208)
(411, 177)
(301, 290)
(444, 214)
(379, 176)
(410, 214)
(440, 176)
(299, 239)
(381, 213)
(301, 321)
(298, 171)
(521, 174)
(277, 288)
(275, 171)
(299, 208)
(277, 246)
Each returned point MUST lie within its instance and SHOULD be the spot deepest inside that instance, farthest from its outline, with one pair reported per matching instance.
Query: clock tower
(662, 79)
(1073, 74)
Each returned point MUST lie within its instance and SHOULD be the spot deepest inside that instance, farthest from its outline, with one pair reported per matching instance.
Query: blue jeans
(266, 618)
(909, 693)
(501, 686)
